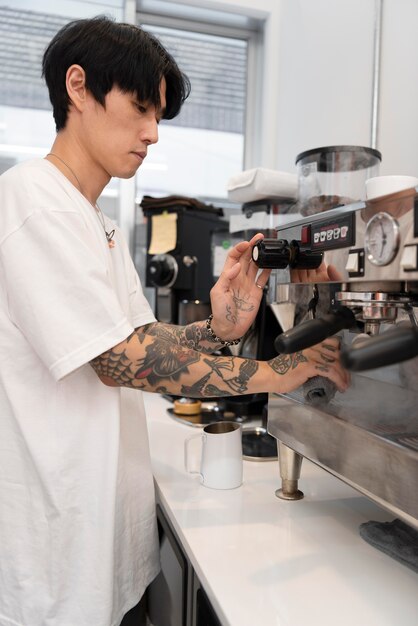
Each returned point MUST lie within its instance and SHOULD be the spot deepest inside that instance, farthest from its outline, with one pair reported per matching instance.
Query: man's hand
(235, 298)
(323, 359)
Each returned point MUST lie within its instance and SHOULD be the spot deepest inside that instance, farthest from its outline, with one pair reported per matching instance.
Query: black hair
(112, 54)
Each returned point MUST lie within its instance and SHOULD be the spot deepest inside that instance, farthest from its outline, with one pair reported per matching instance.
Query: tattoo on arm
(329, 347)
(327, 359)
(164, 366)
(194, 336)
(163, 359)
(238, 384)
(114, 366)
(322, 368)
(284, 362)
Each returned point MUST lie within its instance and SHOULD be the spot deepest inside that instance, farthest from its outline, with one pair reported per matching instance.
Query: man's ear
(75, 81)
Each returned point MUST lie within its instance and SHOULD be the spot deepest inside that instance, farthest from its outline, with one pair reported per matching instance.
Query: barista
(79, 341)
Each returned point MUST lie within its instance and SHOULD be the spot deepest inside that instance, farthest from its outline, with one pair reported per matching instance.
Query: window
(200, 149)
(27, 128)
(197, 152)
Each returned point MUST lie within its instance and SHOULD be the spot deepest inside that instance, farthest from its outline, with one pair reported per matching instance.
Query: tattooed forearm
(155, 359)
(155, 364)
(238, 384)
(285, 362)
(194, 336)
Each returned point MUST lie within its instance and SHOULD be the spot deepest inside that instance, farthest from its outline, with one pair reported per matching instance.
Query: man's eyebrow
(161, 111)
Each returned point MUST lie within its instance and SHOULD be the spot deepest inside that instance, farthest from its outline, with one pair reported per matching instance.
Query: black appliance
(183, 276)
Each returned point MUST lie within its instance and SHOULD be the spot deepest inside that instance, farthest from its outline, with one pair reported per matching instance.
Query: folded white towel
(261, 183)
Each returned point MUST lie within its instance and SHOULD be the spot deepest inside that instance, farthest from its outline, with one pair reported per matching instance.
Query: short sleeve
(59, 291)
(140, 310)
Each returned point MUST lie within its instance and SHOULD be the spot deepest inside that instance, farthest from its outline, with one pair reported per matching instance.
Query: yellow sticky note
(163, 233)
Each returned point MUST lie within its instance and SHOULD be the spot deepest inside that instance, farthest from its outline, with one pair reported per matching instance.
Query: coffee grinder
(181, 271)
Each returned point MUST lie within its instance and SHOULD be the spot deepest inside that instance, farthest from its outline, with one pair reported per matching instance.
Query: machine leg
(290, 466)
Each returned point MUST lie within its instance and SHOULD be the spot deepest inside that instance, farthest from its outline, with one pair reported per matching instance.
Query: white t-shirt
(78, 540)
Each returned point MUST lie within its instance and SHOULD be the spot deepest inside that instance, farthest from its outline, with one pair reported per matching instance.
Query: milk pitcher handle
(186, 453)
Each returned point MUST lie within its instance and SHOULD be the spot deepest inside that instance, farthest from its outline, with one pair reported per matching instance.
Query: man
(77, 522)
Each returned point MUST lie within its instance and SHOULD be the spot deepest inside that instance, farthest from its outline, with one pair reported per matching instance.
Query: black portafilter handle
(392, 346)
(280, 254)
(314, 331)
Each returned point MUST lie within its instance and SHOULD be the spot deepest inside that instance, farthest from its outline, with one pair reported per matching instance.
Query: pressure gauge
(381, 239)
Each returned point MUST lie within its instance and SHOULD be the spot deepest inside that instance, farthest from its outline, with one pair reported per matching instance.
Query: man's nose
(150, 134)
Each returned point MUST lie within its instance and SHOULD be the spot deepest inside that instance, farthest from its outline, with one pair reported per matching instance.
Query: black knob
(279, 254)
(272, 254)
(305, 258)
(162, 270)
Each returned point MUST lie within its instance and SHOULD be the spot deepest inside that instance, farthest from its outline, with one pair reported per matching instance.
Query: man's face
(118, 135)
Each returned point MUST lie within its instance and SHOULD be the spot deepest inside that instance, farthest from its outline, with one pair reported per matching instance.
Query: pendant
(109, 237)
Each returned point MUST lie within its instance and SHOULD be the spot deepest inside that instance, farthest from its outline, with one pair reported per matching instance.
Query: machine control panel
(366, 241)
(336, 233)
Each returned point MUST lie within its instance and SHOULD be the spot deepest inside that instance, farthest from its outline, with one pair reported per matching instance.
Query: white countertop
(268, 562)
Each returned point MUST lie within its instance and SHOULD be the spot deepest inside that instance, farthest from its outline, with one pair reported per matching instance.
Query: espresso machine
(351, 271)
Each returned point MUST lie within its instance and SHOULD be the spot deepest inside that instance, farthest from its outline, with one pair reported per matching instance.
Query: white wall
(325, 79)
(398, 119)
(317, 78)
(325, 76)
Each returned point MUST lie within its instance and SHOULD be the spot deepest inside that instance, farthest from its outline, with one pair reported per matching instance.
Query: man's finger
(227, 276)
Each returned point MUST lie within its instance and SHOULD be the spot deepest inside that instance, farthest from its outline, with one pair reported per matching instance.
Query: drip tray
(258, 445)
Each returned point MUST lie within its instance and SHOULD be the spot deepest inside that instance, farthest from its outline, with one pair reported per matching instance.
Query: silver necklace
(99, 213)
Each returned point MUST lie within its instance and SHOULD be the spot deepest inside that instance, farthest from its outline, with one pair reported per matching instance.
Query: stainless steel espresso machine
(352, 271)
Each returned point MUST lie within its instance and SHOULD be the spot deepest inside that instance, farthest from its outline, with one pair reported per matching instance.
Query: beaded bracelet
(217, 339)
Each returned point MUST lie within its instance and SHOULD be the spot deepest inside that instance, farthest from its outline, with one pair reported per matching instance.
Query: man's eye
(141, 108)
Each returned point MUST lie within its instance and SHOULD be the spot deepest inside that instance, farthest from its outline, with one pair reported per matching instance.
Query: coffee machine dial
(381, 239)
(280, 254)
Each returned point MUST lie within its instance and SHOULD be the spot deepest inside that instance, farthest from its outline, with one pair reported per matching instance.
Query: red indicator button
(305, 235)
